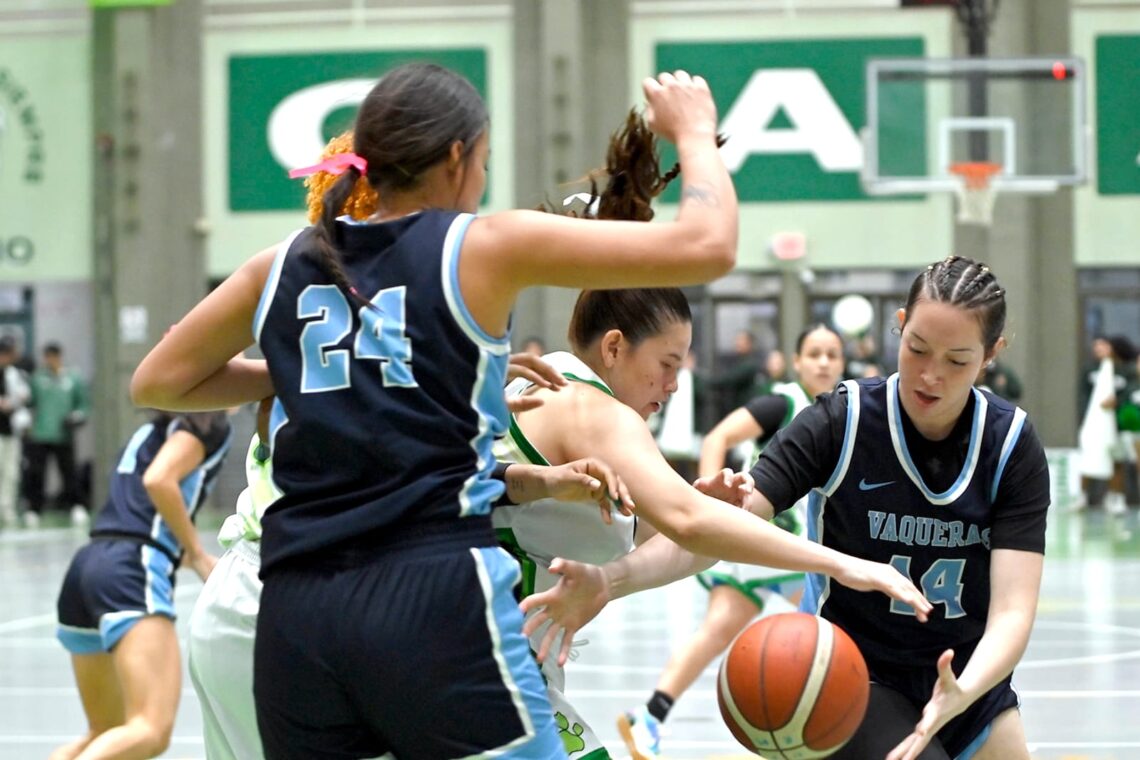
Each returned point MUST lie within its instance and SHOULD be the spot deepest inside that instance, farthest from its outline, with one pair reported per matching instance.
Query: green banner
(126, 3)
(792, 110)
(1118, 114)
(284, 108)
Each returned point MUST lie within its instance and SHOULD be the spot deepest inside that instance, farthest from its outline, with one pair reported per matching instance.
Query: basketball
(793, 687)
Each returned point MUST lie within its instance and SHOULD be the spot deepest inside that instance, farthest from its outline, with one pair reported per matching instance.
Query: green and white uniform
(766, 585)
(225, 618)
(537, 532)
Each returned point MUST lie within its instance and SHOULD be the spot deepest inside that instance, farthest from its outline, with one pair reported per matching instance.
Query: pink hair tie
(333, 165)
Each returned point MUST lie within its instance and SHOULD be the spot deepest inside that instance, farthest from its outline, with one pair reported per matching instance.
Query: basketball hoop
(976, 193)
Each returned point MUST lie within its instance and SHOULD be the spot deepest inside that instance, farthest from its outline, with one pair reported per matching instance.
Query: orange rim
(976, 174)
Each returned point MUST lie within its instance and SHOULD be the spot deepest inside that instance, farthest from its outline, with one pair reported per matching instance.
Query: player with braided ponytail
(945, 482)
(960, 507)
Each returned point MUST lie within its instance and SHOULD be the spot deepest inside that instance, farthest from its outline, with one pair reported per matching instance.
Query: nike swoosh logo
(865, 486)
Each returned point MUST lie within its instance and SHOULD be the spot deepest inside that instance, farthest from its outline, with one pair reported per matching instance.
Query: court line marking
(35, 621)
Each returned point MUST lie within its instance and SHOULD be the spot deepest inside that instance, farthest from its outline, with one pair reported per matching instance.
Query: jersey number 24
(380, 337)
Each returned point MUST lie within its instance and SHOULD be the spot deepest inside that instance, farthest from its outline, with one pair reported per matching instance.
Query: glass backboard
(935, 124)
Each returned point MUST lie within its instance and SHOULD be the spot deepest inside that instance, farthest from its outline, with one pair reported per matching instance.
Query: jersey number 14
(380, 337)
(941, 584)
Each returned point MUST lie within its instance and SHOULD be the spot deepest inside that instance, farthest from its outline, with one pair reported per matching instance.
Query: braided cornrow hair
(968, 284)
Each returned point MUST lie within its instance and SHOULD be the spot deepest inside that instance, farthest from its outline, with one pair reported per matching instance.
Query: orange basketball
(793, 687)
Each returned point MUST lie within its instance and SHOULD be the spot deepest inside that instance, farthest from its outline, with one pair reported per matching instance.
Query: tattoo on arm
(517, 489)
(700, 195)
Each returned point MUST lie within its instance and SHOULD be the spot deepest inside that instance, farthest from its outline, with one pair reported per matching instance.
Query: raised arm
(505, 253)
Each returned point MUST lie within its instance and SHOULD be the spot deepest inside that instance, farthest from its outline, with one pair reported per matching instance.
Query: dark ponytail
(325, 230)
(407, 124)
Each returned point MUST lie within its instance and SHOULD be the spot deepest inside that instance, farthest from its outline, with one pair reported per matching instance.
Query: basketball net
(976, 194)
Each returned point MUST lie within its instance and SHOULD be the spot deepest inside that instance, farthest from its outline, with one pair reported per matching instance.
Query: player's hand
(726, 485)
(577, 598)
(679, 105)
(947, 701)
(538, 372)
(202, 563)
(589, 479)
(864, 575)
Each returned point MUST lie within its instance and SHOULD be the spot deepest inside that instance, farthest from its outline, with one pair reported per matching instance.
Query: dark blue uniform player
(403, 497)
(116, 607)
(387, 622)
(950, 485)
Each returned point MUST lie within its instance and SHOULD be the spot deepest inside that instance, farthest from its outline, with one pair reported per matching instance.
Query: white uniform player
(537, 532)
(768, 587)
(225, 618)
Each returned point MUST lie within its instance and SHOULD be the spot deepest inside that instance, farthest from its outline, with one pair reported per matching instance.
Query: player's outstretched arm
(709, 527)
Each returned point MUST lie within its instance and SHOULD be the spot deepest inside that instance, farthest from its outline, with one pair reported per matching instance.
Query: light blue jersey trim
(498, 572)
(975, 745)
(80, 640)
(449, 276)
(854, 407)
(1007, 449)
(129, 461)
(115, 625)
(817, 587)
(898, 440)
(490, 404)
(271, 281)
(191, 488)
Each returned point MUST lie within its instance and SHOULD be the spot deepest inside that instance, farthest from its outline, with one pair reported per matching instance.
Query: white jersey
(538, 531)
(260, 492)
(751, 579)
(220, 644)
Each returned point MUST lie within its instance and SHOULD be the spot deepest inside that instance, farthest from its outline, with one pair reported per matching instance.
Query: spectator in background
(775, 373)
(1002, 380)
(59, 407)
(736, 384)
(1108, 467)
(864, 360)
(14, 419)
(534, 345)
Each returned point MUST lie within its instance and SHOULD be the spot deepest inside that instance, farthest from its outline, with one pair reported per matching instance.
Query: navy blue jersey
(937, 528)
(129, 510)
(385, 413)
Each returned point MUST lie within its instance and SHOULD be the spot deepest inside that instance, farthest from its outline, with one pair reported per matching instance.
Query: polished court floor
(1079, 681)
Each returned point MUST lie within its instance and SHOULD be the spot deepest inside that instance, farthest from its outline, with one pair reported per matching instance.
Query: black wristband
(500, 471)
(500, 474)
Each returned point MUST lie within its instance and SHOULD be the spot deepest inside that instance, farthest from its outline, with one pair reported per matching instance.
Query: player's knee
(722, 635)
(154, 736)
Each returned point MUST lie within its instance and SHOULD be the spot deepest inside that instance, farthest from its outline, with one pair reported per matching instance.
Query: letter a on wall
(792, 110)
